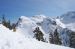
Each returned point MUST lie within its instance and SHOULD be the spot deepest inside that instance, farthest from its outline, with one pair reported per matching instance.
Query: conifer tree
(38, 34)
(72, 39)
(14, 27)
(9, 25)
(51, 38)
(4, 21)
(18, 22)
(56, 38)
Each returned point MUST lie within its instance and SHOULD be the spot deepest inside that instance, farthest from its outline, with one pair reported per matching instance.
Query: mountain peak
(69, 17)
(41, 16)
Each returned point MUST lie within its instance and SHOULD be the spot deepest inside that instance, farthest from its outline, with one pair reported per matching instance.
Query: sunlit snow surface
(16, 40)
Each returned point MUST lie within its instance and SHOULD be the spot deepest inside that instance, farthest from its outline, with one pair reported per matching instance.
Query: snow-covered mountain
(17, 40)
(68, 17)
(30, 23)
(64, 25)
(69, 20)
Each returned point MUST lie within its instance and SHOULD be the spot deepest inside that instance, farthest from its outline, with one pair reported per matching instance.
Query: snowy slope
(69, 20)
(47, 25)
(68, 17)
(16, 40)
(28, 24)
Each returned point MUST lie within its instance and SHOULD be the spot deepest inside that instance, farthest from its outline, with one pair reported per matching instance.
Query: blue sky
(13, 9)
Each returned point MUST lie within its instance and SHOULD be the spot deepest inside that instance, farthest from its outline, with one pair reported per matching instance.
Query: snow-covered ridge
(16, 40)
(38, 18)
(69, 20)
(59, 23)
(28, 24)
(47, 25)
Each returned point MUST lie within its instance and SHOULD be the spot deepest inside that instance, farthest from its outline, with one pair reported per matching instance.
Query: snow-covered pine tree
(4, 21)
(14, 27)
(56, 38)
(38, 34)
(51, 38)
(9, 25)
(72, 39)
(19, 20)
